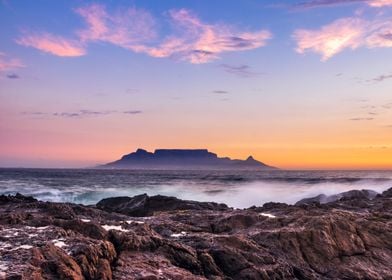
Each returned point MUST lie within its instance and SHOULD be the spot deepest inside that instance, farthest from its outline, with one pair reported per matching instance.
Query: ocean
(239, 189)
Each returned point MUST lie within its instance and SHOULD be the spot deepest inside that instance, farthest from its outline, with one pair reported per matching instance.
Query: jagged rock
(235, 222)
(59, 210)
(92, 230)
(349, 195)
(209, 266)
(95, 259)
(144, 205)
(56, 264)
(17, 198)
(350, 238)
(149, 266)
(387, 193)
(321, 198)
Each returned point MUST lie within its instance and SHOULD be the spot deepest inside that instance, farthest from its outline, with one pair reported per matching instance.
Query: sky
(297, 84)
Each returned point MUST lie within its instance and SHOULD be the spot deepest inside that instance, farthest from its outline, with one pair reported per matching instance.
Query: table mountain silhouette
(183, 159)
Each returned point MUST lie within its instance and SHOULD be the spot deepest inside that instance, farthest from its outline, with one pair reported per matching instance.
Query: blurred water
(236, 188)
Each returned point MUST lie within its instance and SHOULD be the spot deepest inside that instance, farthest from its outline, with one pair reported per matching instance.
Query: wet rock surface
(167, 238)
(353, 194)
(144, 205)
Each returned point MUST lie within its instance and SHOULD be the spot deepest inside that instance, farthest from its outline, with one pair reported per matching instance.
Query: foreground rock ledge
(167, 238)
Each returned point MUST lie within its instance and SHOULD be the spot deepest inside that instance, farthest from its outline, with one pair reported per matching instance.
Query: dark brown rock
(387, 193)
(55, 264)
(92, 230)
(350, 238)
(17, 198)
(144, 205)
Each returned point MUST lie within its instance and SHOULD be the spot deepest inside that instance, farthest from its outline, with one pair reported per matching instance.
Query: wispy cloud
(52, 44)
(126, 28)
(191, 40)
(381, 78)
(379, 3)
(12, 76)
(387, 36)
(387, 106)
(199, 42)
(329, 3)
(35, 113)
(375, 80)
(80, 113)
(324, 3)
(132, 112)
(220, 91)
(132, 91)
(345, 33)
(7, 63)
(368, 107)
(361, 119)
(242, 70)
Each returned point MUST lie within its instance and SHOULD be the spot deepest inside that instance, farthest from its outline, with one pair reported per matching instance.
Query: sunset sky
(297, 84)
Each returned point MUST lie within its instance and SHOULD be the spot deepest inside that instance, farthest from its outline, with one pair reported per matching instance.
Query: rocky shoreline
(348, 236)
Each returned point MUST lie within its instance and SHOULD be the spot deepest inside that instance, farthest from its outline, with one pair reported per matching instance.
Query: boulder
(144, 205)
(349, 195)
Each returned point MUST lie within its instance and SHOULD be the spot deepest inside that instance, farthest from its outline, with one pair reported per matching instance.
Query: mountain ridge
(183, 159)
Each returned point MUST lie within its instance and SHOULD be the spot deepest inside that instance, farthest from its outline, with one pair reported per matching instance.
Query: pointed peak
(250, 158)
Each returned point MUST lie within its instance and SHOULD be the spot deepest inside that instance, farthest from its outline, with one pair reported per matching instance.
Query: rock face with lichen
(166, 238)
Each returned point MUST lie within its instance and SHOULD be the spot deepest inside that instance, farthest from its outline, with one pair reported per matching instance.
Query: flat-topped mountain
(183, 159)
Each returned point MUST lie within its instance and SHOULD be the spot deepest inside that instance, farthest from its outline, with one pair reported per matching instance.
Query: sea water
(238, 189)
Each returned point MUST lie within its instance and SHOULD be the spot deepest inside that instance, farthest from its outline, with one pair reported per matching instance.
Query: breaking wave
(238, 189)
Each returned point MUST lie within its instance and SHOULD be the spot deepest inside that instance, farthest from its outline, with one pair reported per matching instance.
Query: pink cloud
(192, 40)
(331, 39)
(52, 44)
(381, 37)
(380, 3)
(9, 63)
(134, 29)
(346, 33)
(124, 28)
(310, 4)
(199, 42)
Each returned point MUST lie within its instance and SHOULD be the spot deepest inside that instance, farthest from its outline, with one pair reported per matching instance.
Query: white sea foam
(111, 227)
(5, 245)
(3, 267)
(59, 242)
(42, 228)
(24, 247)
(267, 215)
(9, 247)
(258, 193)
(239, 189)
(178, 235)
(136, 222)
